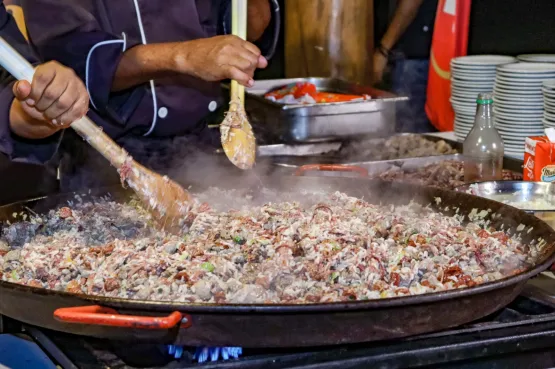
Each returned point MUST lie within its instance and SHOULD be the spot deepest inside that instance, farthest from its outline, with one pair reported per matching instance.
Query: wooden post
(329, 38)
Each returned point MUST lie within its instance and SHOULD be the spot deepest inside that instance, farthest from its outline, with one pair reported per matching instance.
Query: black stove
(522, 335)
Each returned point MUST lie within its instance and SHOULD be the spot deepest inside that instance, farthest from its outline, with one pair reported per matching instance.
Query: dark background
(512, 27)
(509, 27)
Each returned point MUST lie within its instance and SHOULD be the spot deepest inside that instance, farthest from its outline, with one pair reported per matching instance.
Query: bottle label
(548, 173)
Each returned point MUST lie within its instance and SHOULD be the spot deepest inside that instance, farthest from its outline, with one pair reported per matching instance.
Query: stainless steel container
(377, 167)
(279, 123)
(372, 167)
(521, 194)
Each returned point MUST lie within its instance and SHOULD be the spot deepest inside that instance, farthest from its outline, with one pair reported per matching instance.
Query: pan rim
(213, 308)
(376, 304)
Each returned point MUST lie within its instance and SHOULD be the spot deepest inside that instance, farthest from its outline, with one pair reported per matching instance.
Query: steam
(192, 162)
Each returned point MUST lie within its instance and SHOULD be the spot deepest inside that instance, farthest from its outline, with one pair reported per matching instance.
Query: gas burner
(520, 335)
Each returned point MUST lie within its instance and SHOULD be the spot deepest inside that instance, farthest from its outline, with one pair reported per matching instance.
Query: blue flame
(203, 354)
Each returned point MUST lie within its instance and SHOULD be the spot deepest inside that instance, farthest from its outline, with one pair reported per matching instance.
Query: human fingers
(44, 75)
(48, 85)
(240, 76)
(262, 62)
(251, 47)
(21, 90)
(61, 105)
(76, 112)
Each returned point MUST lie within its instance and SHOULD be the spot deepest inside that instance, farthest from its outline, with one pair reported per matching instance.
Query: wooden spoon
(166, 200)
(237, 137)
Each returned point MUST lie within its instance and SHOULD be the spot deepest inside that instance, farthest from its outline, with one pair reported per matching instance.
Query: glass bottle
(483, 147)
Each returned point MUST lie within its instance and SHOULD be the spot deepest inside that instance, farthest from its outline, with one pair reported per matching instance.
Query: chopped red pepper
(302, 89)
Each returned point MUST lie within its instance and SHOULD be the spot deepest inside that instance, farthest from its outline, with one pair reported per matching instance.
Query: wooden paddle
(236, 132)
(166, 200)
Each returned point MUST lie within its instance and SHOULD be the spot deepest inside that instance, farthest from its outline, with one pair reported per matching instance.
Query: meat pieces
(447, 174)
(325, 247)
(396, 147)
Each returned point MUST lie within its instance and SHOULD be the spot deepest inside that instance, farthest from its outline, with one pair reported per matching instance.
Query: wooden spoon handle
(100, 141)
(239, 29)
(21, 69)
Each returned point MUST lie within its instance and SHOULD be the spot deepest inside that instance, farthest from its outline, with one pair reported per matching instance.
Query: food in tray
(535, 204)
(522, 199)
(330, 247)
(307, 93)
(397, 147)
(444, 174)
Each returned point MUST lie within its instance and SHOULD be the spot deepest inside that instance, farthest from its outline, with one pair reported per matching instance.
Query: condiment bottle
(483, 147)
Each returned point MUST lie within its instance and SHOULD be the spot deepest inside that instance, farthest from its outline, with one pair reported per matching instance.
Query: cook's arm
(404, 14)
(15, 147)
(76, 40)
(153, 61)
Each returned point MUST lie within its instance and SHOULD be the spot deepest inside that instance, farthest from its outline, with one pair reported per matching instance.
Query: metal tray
(514, 191)
(279, 123)
(330, 149)
(457, 145)
(517, 191)
(376, 167)
(510, 163)
(373, 167)
(303, 150)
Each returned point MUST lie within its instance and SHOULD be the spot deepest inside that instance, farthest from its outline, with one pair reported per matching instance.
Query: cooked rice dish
(327, 248)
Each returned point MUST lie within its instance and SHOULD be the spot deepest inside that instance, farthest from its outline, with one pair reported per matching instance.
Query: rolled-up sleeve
(268, 42)
(17, 148)
(69, 31)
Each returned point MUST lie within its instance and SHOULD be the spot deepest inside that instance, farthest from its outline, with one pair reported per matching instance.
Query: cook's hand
(218, 58)
(56, 96)
(379, 64)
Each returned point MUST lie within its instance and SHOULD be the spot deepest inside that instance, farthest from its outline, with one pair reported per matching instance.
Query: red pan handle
(331, 168)
(99, 315)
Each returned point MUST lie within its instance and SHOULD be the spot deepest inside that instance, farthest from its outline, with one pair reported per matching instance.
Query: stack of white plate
(471, 75)
(518, 102)
(549, 104)
(537, 58)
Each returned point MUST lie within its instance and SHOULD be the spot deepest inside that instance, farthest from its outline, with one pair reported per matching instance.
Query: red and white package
(539, 159)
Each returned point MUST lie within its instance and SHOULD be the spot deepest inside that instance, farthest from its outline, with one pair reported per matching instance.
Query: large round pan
(283, 325)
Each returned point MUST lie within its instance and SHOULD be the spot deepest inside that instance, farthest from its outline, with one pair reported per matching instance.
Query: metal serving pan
(295, 155)
(510, 163)
(376, 167)
(331, 149)
(514, 192)
(369, 168)
(278, 123)
(283, 325)
(328, 149)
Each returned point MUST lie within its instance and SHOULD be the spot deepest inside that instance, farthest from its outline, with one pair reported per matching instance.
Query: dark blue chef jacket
(91, 36)
(153, 121)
